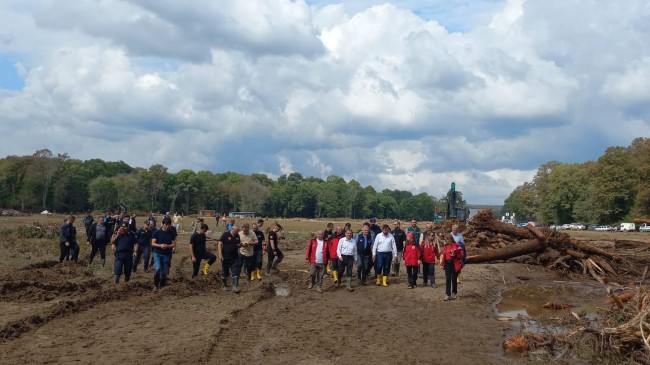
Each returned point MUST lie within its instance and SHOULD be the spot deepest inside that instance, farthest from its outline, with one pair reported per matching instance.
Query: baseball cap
(373, 220)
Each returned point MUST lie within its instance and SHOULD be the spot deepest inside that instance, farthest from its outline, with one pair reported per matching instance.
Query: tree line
(612, 189)
(44, 180)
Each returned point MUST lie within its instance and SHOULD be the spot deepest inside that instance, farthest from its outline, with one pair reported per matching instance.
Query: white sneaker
(453, 296)
(446, 298)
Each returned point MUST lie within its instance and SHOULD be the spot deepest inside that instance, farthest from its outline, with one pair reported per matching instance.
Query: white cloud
(382, 93)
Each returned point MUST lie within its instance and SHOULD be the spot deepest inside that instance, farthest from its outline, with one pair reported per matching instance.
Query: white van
(626, 227)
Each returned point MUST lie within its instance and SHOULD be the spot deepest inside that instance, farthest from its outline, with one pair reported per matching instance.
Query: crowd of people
(241, 250)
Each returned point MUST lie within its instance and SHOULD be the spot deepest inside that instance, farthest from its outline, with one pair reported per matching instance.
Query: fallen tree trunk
(514, 250)
(593, 250)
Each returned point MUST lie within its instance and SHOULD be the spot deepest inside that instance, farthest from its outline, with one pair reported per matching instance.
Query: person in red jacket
(333, 245)
(430, 253)
(451, 261)
(411, 256)
(317, 255)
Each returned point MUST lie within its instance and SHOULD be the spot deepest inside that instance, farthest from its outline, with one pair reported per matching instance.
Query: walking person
(411, 260)
(68, 240)
(430, 253)
(364, 241)
(98, 239)
(143, 237)
(383, 251)
(229, 245)
(400, 236)
(199, 251)
(125, 248)
(458, 238)
(88, 222)
(333, 264)
(451, 262)
(275, 256)
(317, 255)
(259, 250)
(177, 219)
(346, 252)
(248, 240)
(163, 242)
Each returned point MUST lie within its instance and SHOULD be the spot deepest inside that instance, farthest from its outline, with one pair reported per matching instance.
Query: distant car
(565, 226)
(578, 227)
(604, 228)
(644, 227)
(592, 227)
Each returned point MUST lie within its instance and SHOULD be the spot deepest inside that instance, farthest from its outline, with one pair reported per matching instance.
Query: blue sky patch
(9, 77)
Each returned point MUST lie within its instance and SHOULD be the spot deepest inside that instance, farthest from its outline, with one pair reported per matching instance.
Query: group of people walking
(240, 251)
(382, 249)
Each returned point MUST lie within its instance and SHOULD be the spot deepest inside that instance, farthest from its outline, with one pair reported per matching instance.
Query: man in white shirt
(347, 254)
(383, 251)
(318, 256)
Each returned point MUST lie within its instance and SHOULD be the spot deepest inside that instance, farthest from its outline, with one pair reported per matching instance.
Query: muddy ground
(70, 312)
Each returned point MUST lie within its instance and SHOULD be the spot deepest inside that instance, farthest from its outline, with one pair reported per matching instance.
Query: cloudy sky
(398, 94)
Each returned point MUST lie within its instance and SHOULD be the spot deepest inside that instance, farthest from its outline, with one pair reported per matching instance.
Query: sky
(408, 95)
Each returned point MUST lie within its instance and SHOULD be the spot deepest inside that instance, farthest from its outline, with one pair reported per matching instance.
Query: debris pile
(38, 230)
(12, 213)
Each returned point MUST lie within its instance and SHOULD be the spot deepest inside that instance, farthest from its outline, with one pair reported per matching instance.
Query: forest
(612, 189)
(60, 183)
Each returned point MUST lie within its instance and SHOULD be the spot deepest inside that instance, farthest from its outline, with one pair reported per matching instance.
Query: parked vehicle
(592, 227)
(604, 228)
(577, 227)
(645, 227)
(565, 226)
(626, 227)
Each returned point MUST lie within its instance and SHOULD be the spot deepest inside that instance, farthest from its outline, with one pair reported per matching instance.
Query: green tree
(103, 193)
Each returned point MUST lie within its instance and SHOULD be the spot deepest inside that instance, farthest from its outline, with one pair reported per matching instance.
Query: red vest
(411, 255)
(311, 251)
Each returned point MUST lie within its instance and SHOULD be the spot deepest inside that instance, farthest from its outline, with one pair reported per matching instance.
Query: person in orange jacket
(411, 260)
(452, 262)
(430, 254)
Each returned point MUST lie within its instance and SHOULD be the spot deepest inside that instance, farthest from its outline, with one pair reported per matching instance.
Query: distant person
(451, 261)
(346, 252)
(383, 251)
(415, 230)
(411, 260)
(400, 238)
(88, 222)
(177, 219)
(152, 220)
(248, 240)
(374, 227)
(163, 243)
(224, 220)
(125, 247)
(317, 255)
(199, 251)
(328, 232)
(229, 244)
(334, 264)
(196, 226)
(430, 253)
(275, 255)
(259, 250)
(231, 224)
(98, 239)
(133, 225)
(110, 222)
(143, 237)
(68, 240)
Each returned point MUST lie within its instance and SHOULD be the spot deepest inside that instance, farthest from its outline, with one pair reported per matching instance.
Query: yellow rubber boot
(335, 274)
(378, 280)
(385, 281)
(252, 275)
(205, 269)
(259, 274)
(329, 268)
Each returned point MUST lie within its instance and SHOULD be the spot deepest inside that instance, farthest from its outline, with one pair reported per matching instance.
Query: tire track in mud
(245, 329)
(19, 286)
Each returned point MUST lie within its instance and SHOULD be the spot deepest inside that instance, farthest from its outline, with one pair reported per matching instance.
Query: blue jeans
(363, 267)
(258, 259)
(161, 266)
(383, 261)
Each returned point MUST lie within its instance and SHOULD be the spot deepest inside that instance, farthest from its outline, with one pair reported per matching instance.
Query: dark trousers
(412, 273)
(202, 256)
(123, 264)
(270, 264)
(69, 252)
(451, 278)
(144, 253)
(258, 259)
(230, 267)
(363, 267)
(94, 248)
(249, 263)
(345, 267)
(334, 266)
(383, 261)
(428, 272)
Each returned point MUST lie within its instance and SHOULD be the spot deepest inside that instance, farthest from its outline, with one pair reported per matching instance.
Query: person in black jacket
(98, 238)
(125, 247)
(400, 238)
(143, 236)
(68, 240)
(365, 240)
